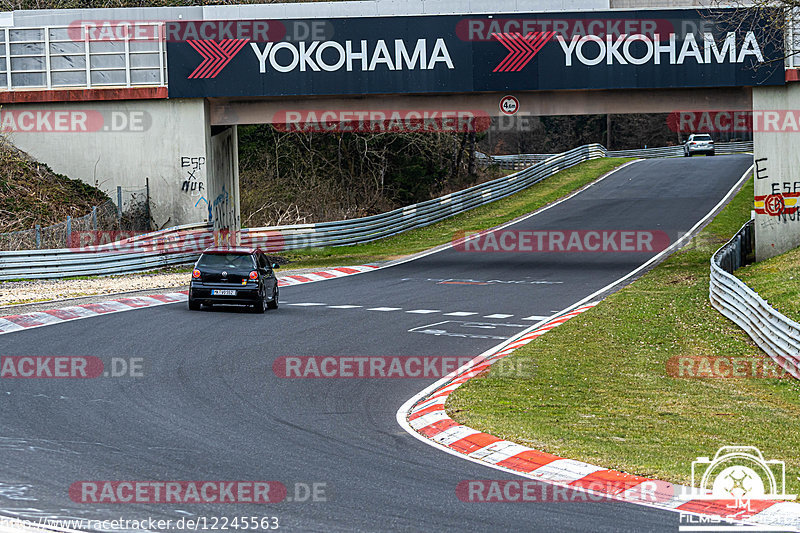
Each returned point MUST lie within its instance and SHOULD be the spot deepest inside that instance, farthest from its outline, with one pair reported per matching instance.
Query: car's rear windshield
(702, 137)
(230, 261)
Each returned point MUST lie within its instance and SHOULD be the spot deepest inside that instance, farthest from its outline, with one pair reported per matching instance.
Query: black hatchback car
(228, 275)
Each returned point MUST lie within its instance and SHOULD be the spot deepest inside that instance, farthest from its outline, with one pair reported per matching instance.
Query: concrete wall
(107, 144)
(777, 172)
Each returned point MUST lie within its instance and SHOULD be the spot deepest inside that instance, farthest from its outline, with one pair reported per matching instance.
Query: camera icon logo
(739, 473)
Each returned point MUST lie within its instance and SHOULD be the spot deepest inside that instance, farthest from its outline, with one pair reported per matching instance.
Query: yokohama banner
(439, 54)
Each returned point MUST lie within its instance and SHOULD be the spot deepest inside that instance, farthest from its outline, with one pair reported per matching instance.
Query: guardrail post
(69, 231)
(119, 204)
(94, 218)
(147, 205)
(38, 237)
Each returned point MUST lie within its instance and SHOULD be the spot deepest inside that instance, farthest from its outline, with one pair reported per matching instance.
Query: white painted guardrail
(182, 245)
(518, 161)
(773, 332)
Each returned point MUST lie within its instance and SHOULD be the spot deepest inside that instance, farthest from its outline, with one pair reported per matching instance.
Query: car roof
(231, 250)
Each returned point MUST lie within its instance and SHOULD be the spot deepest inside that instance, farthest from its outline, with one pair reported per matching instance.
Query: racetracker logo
(177, 492)
(366, 367)
(382, 120)
(607, 241)
(564, 491)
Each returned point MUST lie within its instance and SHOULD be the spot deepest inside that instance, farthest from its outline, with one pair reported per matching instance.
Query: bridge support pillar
(777, 159)
(192, 166)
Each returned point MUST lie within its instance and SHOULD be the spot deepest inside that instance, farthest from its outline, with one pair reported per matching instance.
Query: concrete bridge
(115, 96)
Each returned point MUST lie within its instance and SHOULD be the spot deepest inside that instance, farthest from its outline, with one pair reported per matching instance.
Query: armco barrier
(367, 229)
(774, 333)
(517, 161)
(677, 151)
(38, 264)
(62, 263)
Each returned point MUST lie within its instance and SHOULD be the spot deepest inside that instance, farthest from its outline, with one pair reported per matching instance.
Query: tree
(778, 21)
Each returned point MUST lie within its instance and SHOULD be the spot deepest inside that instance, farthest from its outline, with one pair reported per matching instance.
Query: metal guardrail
(181, 245)
(138, 254)
(517, 161)
(773, 332)
(360, 230)
(677, 151)
(168, 247)
(83, 56)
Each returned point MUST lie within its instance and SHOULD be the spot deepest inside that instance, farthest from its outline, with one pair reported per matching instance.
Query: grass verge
(777, 280)
(596, 388)
(480, 218)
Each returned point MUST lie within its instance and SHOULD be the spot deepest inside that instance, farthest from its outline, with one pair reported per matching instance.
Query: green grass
(442, 232)
(777, 280)
(596, 388)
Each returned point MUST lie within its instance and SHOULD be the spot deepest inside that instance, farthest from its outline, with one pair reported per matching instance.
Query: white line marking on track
(306, 304)
(424, 311)
(535, 317)
(460, 313)
(499, 315)
(344, 306)
(385, 309)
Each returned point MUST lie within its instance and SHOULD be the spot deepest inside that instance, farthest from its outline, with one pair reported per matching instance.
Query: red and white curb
(297, 279)
(12, 323)
(425, 417)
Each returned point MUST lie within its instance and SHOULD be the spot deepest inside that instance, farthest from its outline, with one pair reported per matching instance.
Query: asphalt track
(210, 408)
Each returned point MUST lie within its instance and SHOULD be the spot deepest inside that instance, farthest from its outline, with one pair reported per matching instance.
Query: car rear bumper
(245, 294)
(701, 150)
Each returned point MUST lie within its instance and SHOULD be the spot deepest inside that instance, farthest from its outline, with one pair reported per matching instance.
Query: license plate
(222, 292)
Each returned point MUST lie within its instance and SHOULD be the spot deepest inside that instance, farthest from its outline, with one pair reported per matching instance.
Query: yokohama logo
(215, 55)
(521, 48)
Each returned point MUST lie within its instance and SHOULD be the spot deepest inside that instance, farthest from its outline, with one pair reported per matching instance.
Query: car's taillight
(196, 274)
(253, 275)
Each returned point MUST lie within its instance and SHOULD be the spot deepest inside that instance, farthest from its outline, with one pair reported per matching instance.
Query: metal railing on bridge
(81, 56)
